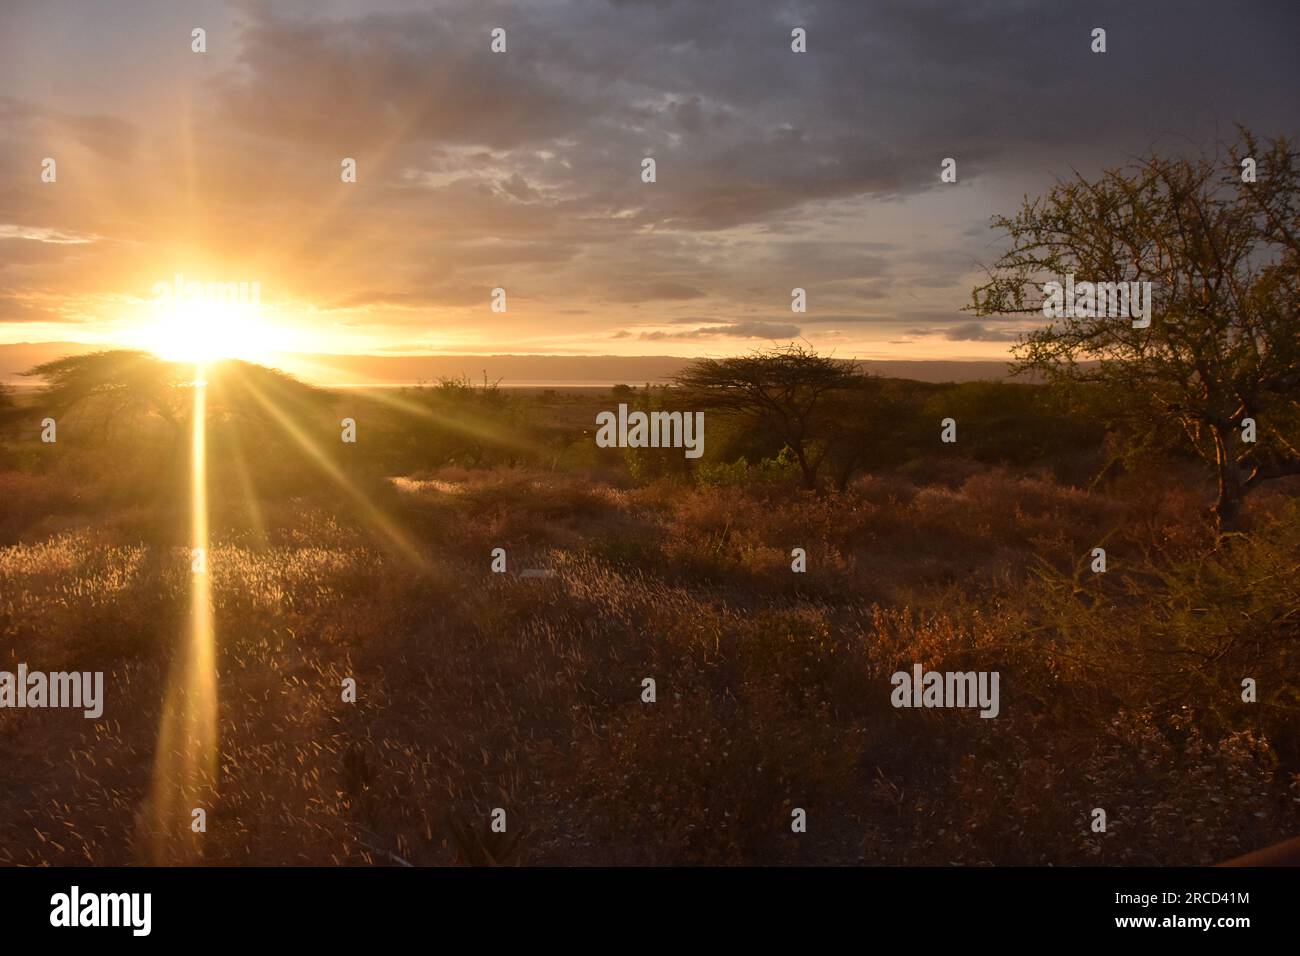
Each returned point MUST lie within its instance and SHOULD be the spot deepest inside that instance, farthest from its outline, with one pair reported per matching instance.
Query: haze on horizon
(522, 170)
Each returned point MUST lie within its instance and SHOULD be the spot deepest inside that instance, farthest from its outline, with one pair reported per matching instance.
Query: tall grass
(481, 690)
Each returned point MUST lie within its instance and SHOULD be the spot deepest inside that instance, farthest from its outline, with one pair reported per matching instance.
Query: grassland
(480, 690)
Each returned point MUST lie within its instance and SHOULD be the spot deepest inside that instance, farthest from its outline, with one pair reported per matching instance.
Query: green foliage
(783, 469)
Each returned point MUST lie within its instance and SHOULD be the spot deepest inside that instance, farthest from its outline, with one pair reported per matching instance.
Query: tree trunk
(809, 473)
(1227, 510)
(846, 472)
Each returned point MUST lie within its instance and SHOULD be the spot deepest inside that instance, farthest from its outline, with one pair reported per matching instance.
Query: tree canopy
(1216, 236)
(786, 390)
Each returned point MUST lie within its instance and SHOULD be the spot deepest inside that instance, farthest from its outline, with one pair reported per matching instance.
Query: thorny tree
(784, 390)
(1223, 256)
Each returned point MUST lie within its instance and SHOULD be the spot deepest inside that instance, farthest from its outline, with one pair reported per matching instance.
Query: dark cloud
(975, 332)
(734, 330)
(742, 128)
(522, 170)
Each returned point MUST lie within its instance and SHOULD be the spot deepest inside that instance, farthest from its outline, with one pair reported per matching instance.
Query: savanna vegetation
(479, 690)
(328, 559)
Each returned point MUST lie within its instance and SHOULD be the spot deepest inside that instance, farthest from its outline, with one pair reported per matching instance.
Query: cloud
(644, 291)
(109, 137)
(522, 170)
(31, 251)
(735, 330)
(24, 307)
(36, 234)
(975, 332)
(600, 87)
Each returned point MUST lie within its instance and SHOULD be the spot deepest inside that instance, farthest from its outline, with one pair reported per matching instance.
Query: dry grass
(480, 690)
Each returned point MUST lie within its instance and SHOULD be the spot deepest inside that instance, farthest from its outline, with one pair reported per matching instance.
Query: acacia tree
(148, 403)
(784, 390)
(115, 386)
(1219, 247)
(122, 387)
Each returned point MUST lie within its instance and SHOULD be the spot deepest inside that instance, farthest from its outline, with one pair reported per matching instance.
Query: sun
(203, 333)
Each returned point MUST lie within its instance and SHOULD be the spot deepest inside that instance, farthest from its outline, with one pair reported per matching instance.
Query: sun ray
(376, 518)
(185, 760)
(417, 409)
(304, 247)
(243, 473)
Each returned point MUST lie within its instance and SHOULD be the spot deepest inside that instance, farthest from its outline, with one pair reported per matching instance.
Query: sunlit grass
(767, 694)
(185, 761)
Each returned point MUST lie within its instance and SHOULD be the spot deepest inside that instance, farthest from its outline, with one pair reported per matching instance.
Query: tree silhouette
(785, 390)
(1223, 345)
(115, 387)
(120, 387)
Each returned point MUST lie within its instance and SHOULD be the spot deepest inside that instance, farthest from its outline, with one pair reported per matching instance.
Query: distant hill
(510, 369)
(575, 369)
(515, 370)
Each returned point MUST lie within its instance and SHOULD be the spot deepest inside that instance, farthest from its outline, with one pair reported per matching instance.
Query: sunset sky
(522, 170)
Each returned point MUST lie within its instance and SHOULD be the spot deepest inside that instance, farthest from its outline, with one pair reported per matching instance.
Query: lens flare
(185, 762)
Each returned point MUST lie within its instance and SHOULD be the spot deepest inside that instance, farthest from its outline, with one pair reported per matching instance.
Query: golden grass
(481, 690)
